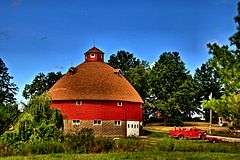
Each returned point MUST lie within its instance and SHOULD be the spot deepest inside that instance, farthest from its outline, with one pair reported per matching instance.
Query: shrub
(129, 144)
(80, 140)
(169, 145)
(6, 150)
(103, 145)
(42, 148)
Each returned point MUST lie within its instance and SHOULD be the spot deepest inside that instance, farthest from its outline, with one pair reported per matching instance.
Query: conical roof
(94, 50)
(94, 81)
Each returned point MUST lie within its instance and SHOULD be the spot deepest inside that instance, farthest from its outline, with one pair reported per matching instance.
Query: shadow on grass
(154, 134)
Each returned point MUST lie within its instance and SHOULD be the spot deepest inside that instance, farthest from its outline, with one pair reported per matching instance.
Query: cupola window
(78, 102)
(92, 55)
(119, 104)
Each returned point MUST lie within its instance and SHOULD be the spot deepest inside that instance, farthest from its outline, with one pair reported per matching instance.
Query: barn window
(78, 102)
(119, 104)
(97, 122)
(76, 122)
(117, 123)
(92, 55)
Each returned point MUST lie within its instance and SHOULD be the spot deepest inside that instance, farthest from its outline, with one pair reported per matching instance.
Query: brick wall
(107, 128)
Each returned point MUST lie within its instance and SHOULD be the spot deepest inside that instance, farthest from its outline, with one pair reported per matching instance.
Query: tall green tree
(172, 88)
(135, 70)
(8, 89)
(40, 84)
(8, 107)
(226, 61)
(207, 82)
(124, 60)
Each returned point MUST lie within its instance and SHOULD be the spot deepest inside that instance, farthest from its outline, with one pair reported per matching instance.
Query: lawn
(134, 155)
(156, 127)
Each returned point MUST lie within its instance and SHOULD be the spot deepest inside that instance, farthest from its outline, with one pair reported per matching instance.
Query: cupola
(94, 55)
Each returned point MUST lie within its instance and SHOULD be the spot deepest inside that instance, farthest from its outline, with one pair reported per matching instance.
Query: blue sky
(52, 35)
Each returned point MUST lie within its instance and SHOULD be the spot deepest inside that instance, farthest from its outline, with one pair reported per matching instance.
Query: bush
(6, 150)
(42, 148)
(80, 141)
(169, 145)
(103, 145)
(129, 144)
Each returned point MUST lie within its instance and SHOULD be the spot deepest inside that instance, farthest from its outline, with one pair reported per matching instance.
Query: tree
(37, 123)
(124, 60)
(139, 78)
(8, 107)
(172, 88)
(207, 82)
(226, 61)
(7, 88)
(8, 114)
(135, 70)
(40, 84)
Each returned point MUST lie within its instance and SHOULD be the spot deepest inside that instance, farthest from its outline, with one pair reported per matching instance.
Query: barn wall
(102, 110)
(106, 129)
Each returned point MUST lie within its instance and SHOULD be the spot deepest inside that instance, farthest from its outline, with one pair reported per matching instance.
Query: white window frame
(117, 123)
(119, 103)
(97, 124)
(76, 122)
(79, 102)
(92, 55)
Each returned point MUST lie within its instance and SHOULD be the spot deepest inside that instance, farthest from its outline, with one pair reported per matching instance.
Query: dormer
(94, 55)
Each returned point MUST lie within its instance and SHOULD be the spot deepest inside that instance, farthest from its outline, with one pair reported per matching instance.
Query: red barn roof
(94, 81)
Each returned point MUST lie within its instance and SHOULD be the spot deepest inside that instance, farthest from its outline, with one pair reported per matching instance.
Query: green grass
(132, 156)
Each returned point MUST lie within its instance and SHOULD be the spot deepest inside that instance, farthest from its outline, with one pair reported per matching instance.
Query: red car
(192, 133)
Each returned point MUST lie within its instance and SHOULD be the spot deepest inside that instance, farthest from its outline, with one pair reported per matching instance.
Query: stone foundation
(106, 129)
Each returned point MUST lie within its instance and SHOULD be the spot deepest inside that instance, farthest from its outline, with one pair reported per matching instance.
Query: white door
(132, 128)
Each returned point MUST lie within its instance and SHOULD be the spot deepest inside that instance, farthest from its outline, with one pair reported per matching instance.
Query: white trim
(117, 123)
(76, 122)
(79, 102)
(119, 103)
(97, 122)
(92, 55)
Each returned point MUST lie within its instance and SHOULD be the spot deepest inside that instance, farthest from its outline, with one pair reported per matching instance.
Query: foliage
(207, 82)
(6, 150)
(7, 88)
(8, 107)
(226, 61)
(40, 84)
(131, 144)
(135, 70)
(226, 106)
(45, 147)
(139, 78)
(172, 88)
(8, 114)
(36, 124)
(80, 140)
(124, 60)
(103, 145)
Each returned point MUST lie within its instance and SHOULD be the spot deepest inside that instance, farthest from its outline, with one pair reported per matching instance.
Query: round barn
(95, 95)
